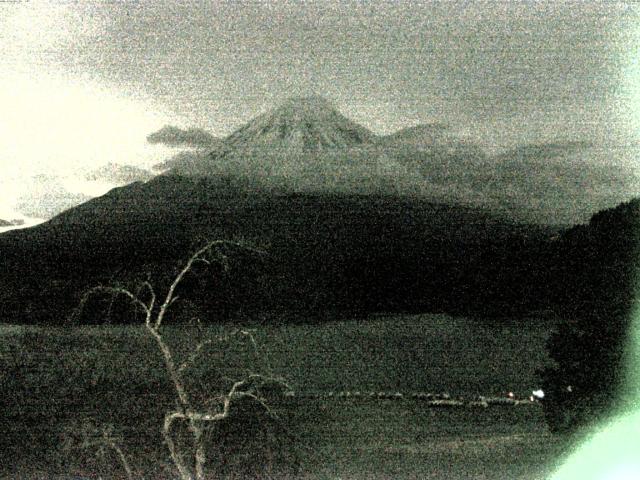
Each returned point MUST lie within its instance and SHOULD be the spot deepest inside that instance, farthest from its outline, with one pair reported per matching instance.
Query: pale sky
(83, 83)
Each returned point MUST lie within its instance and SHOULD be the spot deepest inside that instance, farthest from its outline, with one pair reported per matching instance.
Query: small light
(538, 393)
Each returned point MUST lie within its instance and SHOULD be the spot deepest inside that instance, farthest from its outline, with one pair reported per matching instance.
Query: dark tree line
(595, 289)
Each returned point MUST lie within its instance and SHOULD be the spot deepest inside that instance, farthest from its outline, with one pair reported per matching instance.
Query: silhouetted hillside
(600, 260)
(178, 137)
(326, 251)
(595, 287)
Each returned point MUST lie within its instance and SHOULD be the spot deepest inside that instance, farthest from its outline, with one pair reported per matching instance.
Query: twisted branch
(246, 388)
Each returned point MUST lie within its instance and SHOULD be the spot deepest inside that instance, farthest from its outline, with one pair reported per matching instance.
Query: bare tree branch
(113, 291)
(196, 257)
(152, 292)
(170, 365)
(248, 388)
(183, 470)
(194, 355)
(111, 442)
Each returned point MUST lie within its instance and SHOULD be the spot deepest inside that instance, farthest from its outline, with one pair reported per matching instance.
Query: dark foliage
(595, 289)
(252, 444)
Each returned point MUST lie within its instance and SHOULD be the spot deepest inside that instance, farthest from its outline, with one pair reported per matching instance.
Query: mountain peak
(309, 123)
(309, 109)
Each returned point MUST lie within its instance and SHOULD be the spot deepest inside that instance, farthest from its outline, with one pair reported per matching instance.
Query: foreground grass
(53, 378)
(406, 440)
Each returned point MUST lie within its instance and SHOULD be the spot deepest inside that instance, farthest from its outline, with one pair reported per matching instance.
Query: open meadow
(61, 385)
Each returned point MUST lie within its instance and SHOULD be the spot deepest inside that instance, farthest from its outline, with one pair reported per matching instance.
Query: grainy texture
(419, 175)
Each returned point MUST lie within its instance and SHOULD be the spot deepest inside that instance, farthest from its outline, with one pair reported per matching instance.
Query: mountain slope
(431, 136)
(178, 137)
(301, 124)
(306, 145)
(564, 181)
(446, 164)
(349, 219)
(118, 174)
(326, 251)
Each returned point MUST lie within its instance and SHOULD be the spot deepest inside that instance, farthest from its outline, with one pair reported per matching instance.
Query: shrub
(595, 271)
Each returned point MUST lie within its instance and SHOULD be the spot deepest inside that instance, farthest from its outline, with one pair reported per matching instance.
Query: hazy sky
(83, 83)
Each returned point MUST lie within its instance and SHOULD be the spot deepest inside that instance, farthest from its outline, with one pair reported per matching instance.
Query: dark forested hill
(597, 262)
(594, 285)
(326, 251)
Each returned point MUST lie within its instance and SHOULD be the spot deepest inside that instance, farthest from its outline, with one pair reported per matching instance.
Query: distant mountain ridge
(178, 137)
(307, 145)
(429, 135)
(119, 174)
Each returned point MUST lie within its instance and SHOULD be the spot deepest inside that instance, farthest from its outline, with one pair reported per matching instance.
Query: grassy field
(54, 380)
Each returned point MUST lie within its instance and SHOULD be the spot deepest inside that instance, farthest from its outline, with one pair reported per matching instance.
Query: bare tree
(191, 465)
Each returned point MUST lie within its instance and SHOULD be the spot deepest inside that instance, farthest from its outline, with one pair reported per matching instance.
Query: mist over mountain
(185, 161)
(7, 225)
(541, 152)
(564, 181)
(119, 174)
(431, 137)
(304, 141)
(178, 137)
(47, 197)
(348, 219)
(307, 145)
(17, 221)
